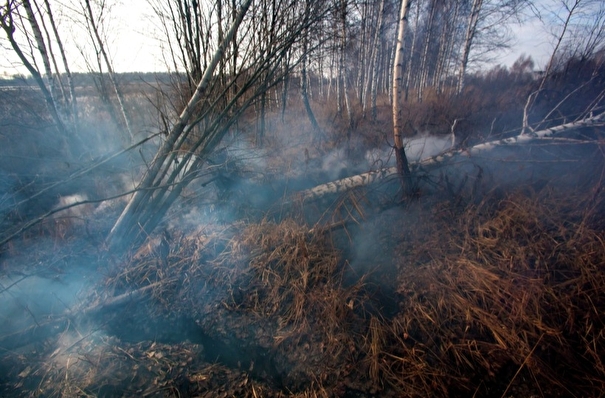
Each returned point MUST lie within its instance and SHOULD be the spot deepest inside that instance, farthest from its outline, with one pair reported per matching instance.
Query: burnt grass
(475, 287)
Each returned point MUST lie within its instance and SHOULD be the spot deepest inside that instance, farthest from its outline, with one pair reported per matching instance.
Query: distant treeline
(88, 79)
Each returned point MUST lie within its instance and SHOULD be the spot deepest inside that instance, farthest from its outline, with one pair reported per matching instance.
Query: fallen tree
(364, 179)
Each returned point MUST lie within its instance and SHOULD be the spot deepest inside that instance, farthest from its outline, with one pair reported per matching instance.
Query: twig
(523, 364)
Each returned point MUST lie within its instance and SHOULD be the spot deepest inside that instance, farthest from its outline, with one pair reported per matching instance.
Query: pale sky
(531, 38)
(134, 44)
(132, 40)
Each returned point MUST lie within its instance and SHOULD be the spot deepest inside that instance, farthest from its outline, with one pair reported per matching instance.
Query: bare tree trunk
(303, 82)
(70, 83)
(303, 76)
(320, 72)
(388, 71)
(112, 77)
(284, 93)
(260, 136)
(471, 29)
(408, 78)
(345, 74)
(57, 81)
(362, 54)
(339, 80)
(222, 67)
(234, 49)
(403, 168)
(372, 77)
(50, 76)
(125, 231)
(424, 65)
(9, 28)
(332, 62)
(448, 39)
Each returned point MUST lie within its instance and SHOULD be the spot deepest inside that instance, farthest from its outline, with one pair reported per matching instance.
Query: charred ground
(489, 282)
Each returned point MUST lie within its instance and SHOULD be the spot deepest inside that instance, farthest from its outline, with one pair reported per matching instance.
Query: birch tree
(372, 75)
(303, 76)
(23, 24)
(9, 14)
(471, 30)
(402, 162)
(486, 27)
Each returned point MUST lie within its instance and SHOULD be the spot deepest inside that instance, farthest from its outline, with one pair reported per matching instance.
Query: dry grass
(502, 294)
(516, 282)
(291, 290)
(147, 369)
(278, 287)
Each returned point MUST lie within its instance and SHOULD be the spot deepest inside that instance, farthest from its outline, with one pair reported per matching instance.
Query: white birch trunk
(408, 78)
(398, 77)
(402, 162)
(424, 68)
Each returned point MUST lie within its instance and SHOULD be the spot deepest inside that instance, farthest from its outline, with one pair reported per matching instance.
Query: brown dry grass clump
(291, 274)
(288, 298)
(516, 284)
(267, 286)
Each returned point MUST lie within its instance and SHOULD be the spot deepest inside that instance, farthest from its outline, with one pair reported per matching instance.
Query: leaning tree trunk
(72, 91)
(125, 232)
(403, 168)
(42, 49)
(112, 77)
(8, 25)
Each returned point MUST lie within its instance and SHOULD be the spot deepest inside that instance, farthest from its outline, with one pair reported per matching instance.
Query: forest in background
(239, 225)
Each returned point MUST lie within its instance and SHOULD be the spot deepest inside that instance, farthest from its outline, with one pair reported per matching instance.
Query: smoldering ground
(229, 284)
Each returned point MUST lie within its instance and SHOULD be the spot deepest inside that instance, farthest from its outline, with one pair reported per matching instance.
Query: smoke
(417, 148)
(75, 214)
(426, 146)
(335, 164)
(30, 300)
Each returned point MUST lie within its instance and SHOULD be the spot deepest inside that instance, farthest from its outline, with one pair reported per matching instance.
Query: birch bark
(402, 163)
